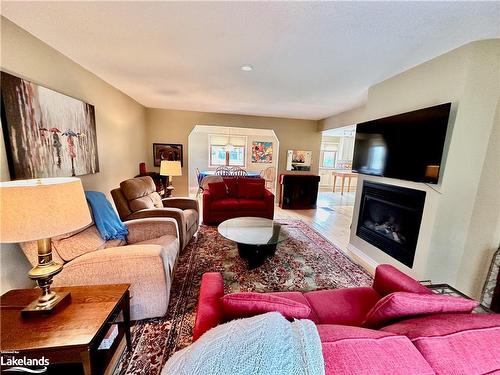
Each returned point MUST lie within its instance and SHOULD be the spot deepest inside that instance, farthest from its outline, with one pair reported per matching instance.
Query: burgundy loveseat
(237, 197)
(443, 343)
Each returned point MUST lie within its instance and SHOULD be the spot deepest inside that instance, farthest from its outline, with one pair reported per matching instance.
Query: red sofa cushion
(240, 305)
(218, 190)
(228, 204)
(232, 186)
(342, 306)
(403, 304)
(455, 343)
(251, 188)
(354, 350)
(251, 204)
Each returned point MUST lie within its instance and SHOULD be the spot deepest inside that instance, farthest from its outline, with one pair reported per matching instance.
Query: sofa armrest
(175, 213)
(181, 203)
(268, 196)
(144, 267)
(209, 311)
(147, 229)
(389, 279)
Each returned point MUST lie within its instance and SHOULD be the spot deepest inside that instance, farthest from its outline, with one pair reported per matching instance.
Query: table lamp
(170, 169)
(38, 210)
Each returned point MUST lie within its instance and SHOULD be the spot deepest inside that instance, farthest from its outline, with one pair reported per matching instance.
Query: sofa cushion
(342, 306)
(354, 350)
(218, 190)
(297, 297)
(455, 343)
(137, 187)
(252, 204)
(251, 188)
(232, 186)
(239, 305)
(191, 217)
(152, 200)
(81, 243)
(403, 304)
(228, 204)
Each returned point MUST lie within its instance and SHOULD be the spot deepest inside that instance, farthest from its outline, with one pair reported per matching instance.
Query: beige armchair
(146, 261)
(137, 198)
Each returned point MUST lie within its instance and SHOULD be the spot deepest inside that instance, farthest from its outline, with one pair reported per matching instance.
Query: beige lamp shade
(41, 208)
(170, 168)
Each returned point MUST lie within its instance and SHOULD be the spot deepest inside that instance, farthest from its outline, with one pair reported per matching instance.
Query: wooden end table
(73, 332)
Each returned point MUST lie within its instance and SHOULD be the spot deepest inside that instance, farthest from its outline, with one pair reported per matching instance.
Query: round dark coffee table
(257, 238)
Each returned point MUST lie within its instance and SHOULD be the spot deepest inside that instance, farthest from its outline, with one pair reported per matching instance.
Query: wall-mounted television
(408, 146)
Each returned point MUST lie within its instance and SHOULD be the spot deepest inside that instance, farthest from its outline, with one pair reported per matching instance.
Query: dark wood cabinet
(298, 191)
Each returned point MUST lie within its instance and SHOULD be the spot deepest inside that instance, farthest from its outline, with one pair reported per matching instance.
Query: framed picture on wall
(46, 133)
(166, 151)
(298, 160)
(262, 152)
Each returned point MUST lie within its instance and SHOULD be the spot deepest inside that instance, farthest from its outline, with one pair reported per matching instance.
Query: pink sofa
(452, 343)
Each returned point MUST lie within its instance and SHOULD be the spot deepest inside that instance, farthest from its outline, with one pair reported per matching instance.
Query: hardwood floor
(332, 217)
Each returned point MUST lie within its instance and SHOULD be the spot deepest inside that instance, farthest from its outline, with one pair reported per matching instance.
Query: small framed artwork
(166, 151)
(262, 152)
(298, 160)
(46, 133)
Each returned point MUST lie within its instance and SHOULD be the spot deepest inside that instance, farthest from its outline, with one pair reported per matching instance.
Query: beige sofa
(146, 261)
(137, 198)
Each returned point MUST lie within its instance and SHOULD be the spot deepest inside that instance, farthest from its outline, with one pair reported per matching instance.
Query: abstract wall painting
(262, 152)
(166, 151)
(46, 133)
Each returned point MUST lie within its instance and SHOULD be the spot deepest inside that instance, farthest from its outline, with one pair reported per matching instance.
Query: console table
(298, 191)
(70, 334)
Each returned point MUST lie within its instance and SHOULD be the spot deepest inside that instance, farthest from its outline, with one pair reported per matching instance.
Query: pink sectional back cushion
(140, 193)
(240, 305)
(354, 350)
(455, 343)
(403, 304)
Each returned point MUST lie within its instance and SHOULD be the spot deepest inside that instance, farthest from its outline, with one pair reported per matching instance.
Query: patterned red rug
(305, 261)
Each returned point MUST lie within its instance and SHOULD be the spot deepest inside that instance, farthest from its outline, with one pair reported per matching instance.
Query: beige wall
(121, 131)
(461, 213)
(172, 126)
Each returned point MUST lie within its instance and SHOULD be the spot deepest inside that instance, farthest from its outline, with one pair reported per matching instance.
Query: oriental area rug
(305, 261)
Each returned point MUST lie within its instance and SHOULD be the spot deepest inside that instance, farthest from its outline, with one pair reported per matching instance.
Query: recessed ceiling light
(247, 68)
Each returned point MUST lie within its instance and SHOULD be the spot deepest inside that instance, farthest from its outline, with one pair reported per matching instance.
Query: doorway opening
(216, 148)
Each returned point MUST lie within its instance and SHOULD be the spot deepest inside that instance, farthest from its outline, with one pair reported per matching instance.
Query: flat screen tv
(408, 146)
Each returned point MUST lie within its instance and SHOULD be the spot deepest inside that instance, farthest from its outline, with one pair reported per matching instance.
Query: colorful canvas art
(262, 152)
(46, 133)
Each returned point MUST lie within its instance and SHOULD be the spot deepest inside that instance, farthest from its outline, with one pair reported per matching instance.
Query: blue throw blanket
(108, 223)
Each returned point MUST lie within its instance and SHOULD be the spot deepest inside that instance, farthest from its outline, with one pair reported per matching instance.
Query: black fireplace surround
(389, 219)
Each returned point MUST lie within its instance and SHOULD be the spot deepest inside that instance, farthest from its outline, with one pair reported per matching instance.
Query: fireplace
(389, 219)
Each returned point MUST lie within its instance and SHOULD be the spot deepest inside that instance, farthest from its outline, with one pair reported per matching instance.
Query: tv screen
(408, 146)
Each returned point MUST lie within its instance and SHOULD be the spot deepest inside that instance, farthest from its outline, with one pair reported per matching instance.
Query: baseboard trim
(361, 257)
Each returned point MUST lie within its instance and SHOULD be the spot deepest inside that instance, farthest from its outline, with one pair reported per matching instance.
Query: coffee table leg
(256, 255)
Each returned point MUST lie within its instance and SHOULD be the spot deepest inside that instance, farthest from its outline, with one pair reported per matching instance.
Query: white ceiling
(310, 59)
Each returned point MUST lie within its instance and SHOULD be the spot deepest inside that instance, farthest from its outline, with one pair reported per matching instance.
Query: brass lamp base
(42, 273)
(35, 308)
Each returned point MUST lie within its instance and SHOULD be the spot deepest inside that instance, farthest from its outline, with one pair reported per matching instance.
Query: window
(217, 152)
(328, 160)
